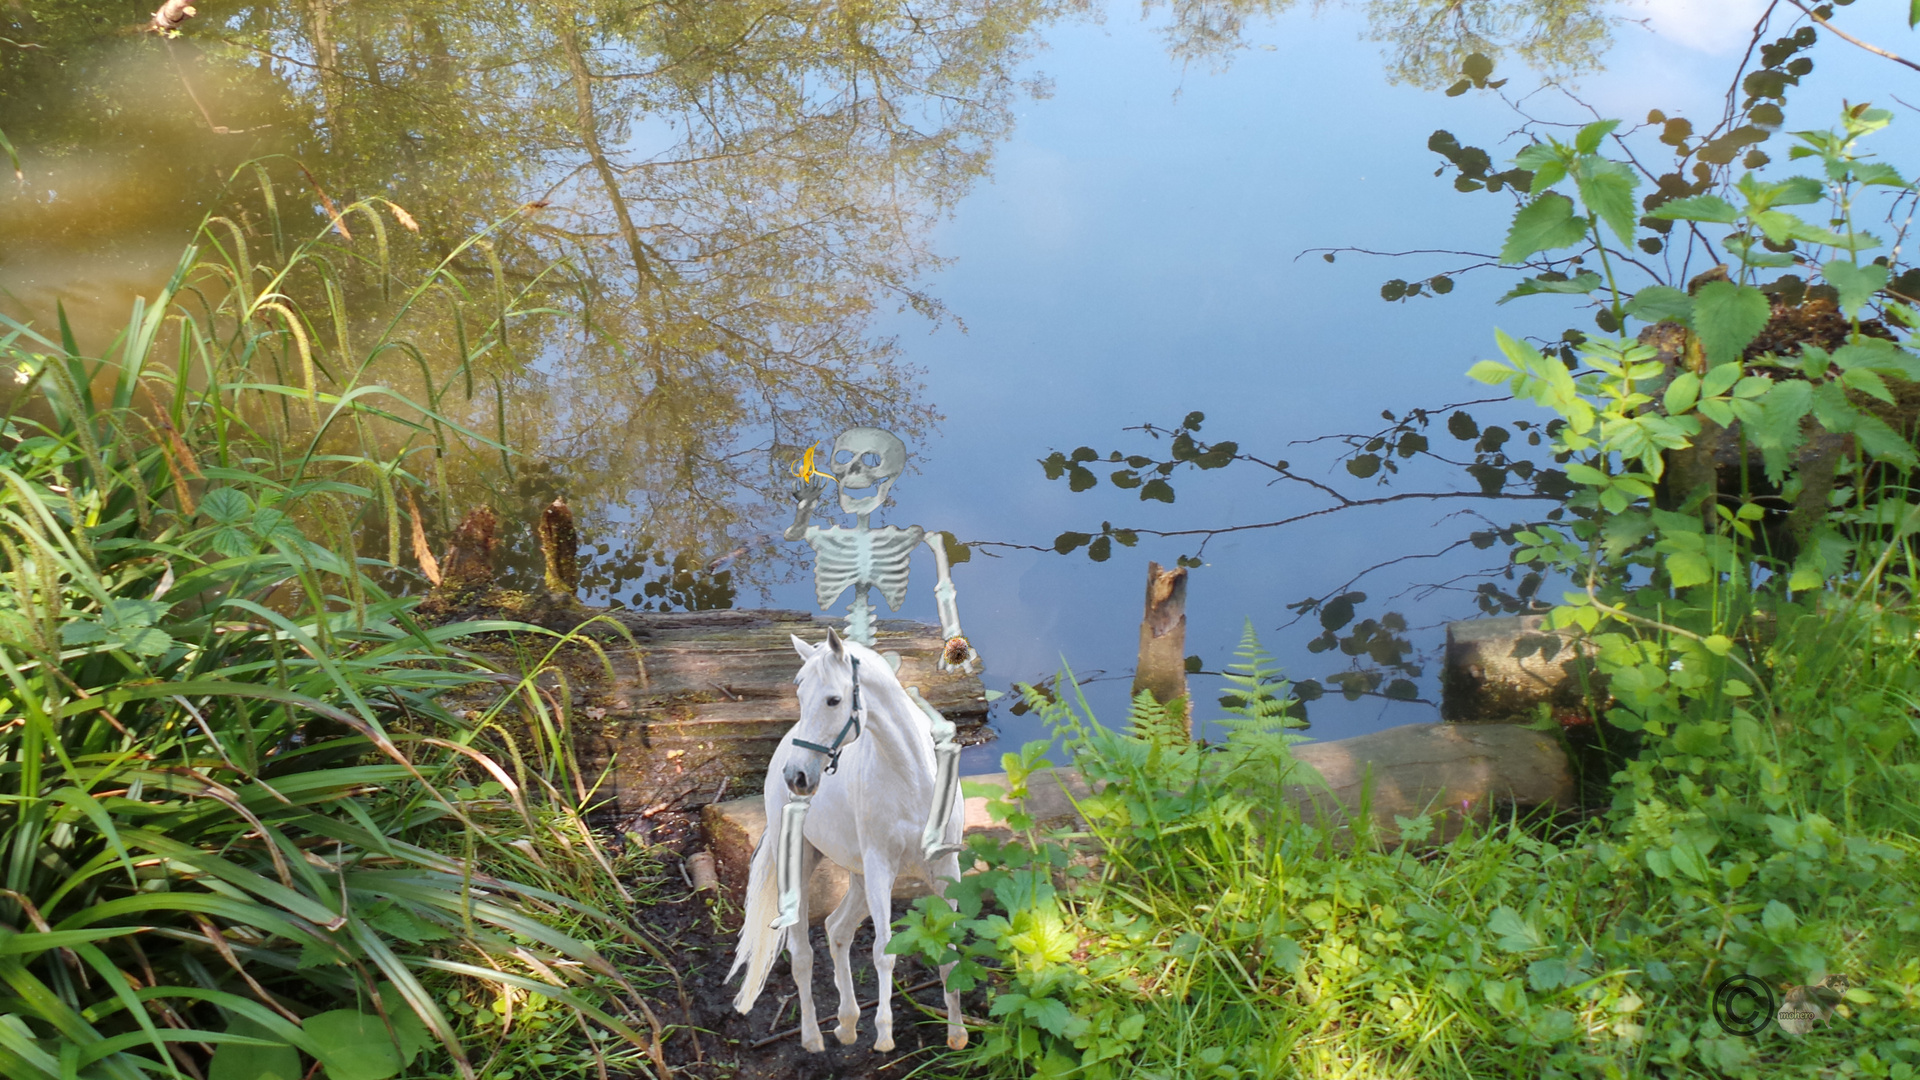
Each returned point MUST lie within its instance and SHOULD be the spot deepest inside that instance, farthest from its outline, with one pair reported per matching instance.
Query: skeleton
(867, 559)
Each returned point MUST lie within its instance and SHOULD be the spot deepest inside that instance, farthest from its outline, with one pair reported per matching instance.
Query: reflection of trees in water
(731, 190)
(1425, 40)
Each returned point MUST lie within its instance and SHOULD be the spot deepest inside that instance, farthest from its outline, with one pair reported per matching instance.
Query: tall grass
(1222, 937)
(227, 780)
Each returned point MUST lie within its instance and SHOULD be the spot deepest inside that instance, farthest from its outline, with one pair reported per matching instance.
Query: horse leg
(947, 866)
(880, 906)
(840, 928)
(800, 949)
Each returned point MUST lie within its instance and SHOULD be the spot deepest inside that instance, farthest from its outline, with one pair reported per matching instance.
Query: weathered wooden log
(1162, 666)
(1455, 773)
(1504, 669)
(697, 709)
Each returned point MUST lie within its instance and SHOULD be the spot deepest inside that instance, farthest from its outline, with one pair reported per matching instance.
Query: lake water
(766, 234)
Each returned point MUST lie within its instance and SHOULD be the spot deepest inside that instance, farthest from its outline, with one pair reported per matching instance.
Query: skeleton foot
(814, 1044)
(849, 1029)
(956, 1038)
(884, 1042)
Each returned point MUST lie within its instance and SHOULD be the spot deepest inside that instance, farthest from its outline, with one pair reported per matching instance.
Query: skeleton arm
(953, 658)
(805, 498)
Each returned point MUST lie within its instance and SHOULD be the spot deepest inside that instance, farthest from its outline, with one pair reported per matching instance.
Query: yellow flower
(805, 470)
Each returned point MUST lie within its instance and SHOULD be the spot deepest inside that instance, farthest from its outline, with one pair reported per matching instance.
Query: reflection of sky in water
(1134, 258)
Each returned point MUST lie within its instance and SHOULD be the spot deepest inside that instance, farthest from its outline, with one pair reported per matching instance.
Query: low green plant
(234, 814)
(1218, 934)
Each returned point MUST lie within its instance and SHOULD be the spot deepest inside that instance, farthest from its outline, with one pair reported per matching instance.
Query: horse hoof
(847, 1034)
(814, 1045)
(883, 1044)
(957, 1041)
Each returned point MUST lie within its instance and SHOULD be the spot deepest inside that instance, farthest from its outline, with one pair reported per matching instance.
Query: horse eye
(833, 700)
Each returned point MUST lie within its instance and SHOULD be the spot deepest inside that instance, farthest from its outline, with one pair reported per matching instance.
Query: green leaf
(1856, 284)
(242, 1061)
(1697, 208)
(1661, 303)
(1050, 1014)
(358, 1045)
(1491, 372)
(1583, 282)
(1784, 407)
(1158, 490)
(1681, 393)
(1777, 918)
(227, 506)
(1606, 187)
(1866, 382)
(1515, 933)
(1687, 568)
(1589, 138)
(1542, 225)
(1688, 861)
(1728, 317)
(407, 1026)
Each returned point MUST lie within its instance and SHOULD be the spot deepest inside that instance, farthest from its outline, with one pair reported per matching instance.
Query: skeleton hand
(958, 656)
(805, 498)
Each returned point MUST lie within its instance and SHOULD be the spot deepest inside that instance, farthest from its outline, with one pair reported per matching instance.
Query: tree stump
(1162, 667)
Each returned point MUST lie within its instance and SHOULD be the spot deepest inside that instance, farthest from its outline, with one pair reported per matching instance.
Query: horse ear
(805, 650)
(833, 642)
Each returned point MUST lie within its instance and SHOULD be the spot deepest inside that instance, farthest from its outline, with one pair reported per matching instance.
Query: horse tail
(759, 942)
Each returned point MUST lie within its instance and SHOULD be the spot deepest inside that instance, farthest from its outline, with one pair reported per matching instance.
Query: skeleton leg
(793, 818)
(946, 780)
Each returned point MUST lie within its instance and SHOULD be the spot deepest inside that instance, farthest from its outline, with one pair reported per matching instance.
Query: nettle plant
(1716, 471)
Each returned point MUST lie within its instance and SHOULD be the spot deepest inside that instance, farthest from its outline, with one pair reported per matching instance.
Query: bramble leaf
(1546, 223)
(1855, 284)
(1728, 317)
(1698, 208)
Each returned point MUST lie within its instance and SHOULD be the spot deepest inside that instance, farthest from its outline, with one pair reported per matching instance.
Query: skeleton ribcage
(875, 557)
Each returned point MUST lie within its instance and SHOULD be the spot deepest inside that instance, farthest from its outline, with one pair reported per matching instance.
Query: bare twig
(1850, 39)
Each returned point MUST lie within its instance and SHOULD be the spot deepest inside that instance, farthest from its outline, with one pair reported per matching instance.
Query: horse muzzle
(801, 780)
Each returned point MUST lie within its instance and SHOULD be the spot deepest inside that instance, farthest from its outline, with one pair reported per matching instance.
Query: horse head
(832, 711)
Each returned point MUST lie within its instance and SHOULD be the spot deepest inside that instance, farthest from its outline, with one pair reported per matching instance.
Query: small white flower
(22, 373)
(1677, 665)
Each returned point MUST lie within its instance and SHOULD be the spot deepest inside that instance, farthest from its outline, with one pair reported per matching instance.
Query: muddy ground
(698, 933)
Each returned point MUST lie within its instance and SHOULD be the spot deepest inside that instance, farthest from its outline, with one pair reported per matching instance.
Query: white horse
(867, 816)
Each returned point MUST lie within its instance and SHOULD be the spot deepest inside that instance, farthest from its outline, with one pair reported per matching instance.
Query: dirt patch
(698, 934)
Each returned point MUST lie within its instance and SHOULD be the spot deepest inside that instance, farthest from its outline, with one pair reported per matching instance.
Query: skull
(863, 457)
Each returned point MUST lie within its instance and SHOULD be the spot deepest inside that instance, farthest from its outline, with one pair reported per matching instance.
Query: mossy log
(693, 707)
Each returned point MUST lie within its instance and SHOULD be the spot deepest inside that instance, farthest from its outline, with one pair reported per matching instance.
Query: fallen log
(696, 703)
(1456, 773)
